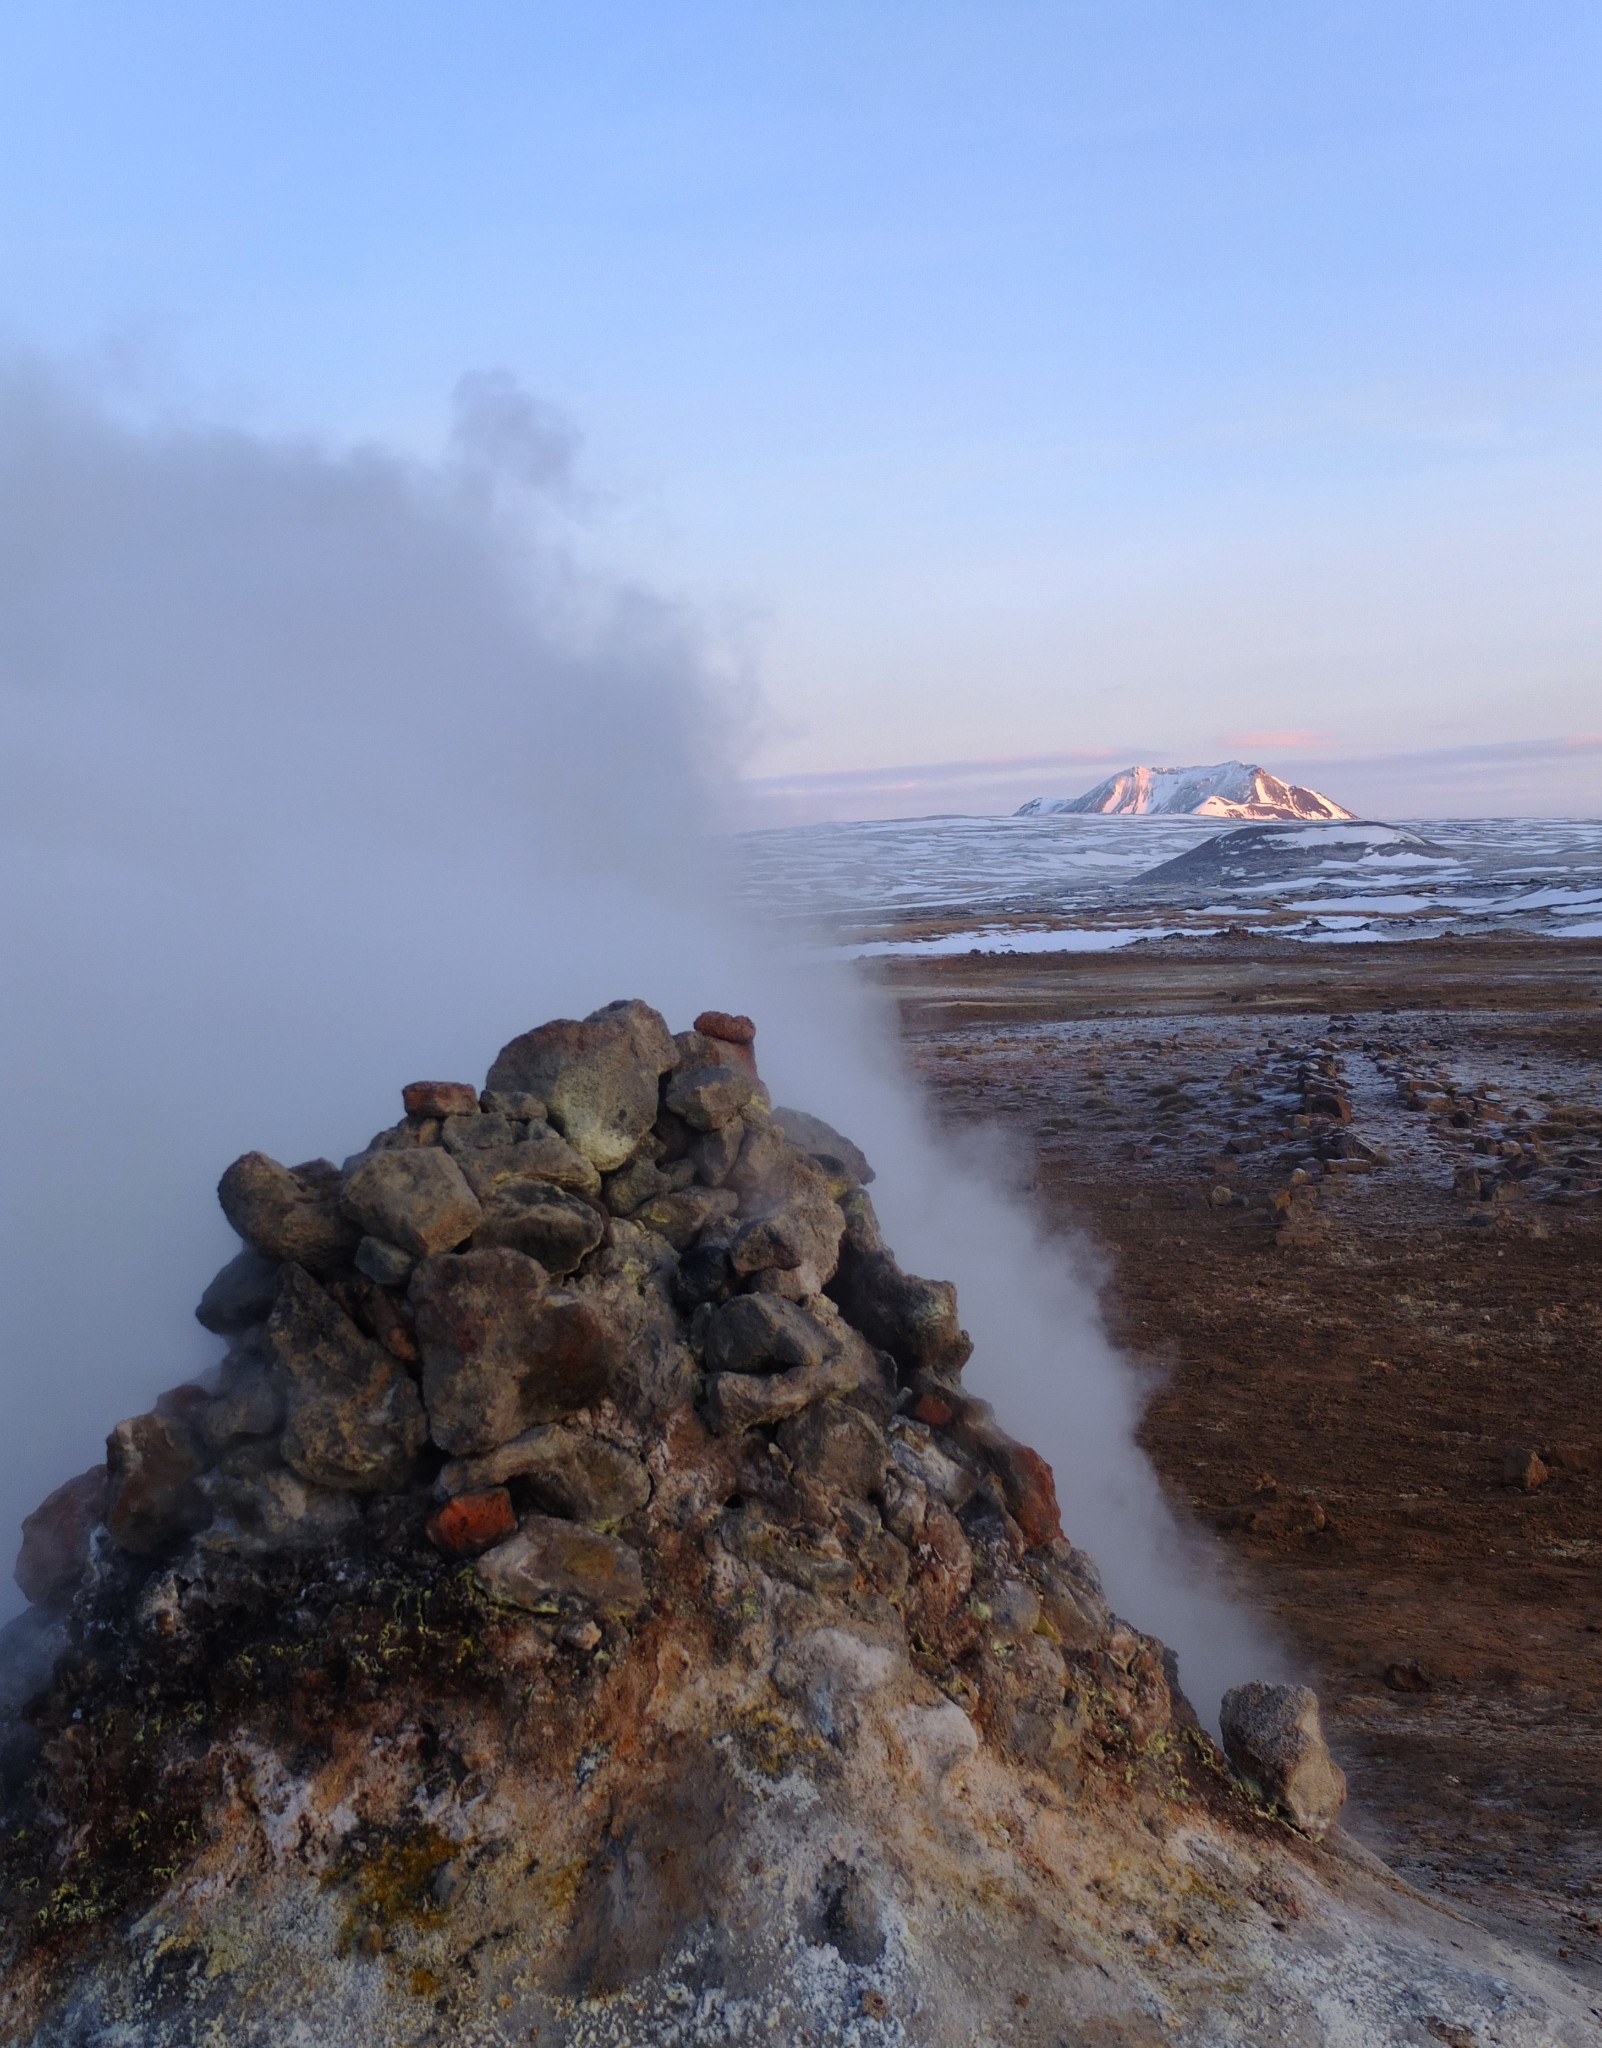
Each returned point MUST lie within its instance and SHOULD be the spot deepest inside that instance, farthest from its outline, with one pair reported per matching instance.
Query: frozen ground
(1070, 883)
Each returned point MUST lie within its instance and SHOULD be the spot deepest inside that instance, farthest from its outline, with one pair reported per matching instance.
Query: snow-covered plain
(1083, 881)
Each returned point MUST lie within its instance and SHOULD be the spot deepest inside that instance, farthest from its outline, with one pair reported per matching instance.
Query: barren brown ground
(1333, 1399)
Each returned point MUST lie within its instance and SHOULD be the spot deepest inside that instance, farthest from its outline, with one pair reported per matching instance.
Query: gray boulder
(493, 1148)
(152, 1502)
(551, 1566)
(352, 1416)
(416, 1199)
(837, 1448)
(544, 1221)
(739, 1401)
(241, 1294)
(794, 1225)
(708, 1097)
(682, 1215)
(764, 1333)
(501, 1352)
(638, 1182)
(251, 1405)
(598, 1079)
(275, 1509)
(713, 1154)
(568, 1471)
(629, 1284)
(835, 1154)
(287, 1215)
(914, 1320)
(386, 1265)
(1274, 1738)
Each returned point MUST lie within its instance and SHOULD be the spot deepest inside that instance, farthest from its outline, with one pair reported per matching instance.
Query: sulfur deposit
(588, 1605)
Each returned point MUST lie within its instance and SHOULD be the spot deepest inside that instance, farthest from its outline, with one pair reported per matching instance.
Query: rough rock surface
(679, 1655)
(1273, 1737)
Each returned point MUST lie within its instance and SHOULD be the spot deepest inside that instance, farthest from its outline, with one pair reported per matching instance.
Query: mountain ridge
(1226, 789)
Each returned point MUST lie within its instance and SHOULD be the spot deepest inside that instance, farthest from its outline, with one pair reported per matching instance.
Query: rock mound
(587, 1605)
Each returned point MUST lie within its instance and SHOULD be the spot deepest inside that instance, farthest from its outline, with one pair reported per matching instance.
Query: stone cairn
(612, 1339)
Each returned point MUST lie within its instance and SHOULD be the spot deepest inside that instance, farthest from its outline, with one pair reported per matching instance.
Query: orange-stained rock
(440, 1098)
(1030, 1490)
(472, 1522)
(931, 1409)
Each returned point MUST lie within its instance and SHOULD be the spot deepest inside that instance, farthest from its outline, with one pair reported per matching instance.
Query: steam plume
(326, 771)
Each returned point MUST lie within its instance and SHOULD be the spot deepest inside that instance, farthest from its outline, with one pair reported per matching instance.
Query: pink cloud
(1289, 738)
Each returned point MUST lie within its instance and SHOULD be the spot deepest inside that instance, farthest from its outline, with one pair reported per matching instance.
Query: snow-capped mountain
(1232, 789)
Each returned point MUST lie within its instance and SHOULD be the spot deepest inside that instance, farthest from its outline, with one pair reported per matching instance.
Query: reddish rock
(1524, 1469)
(728, 1040)
(733, 1030)
(472, 1523)
(440, 1098)
(931, 1409)
(1030, 1490)
(55, 1537)
(186, 1403)
(152, 1502)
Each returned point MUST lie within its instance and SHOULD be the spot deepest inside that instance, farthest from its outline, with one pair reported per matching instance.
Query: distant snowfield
(1084, 882)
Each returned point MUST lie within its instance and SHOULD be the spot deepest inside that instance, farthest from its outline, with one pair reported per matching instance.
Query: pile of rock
(507, 1293)
(586, 1603)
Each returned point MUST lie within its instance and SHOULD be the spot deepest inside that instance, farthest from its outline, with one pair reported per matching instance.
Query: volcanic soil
(1357, 1328)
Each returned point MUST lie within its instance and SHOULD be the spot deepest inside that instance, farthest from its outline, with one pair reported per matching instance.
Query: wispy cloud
(1494, 778)
(1296, 737)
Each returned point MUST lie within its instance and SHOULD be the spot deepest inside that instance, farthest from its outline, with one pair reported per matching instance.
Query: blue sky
(1030, 388)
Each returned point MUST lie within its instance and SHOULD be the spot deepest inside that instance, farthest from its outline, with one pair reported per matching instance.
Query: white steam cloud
(326, 771)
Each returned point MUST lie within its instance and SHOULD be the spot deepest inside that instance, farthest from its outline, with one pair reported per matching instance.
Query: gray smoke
(328, 770)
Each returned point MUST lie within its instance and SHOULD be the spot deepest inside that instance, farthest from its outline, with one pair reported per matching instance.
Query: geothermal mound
(588, 1608)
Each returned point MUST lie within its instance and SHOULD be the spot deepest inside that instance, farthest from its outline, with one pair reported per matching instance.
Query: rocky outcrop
(640, 1634)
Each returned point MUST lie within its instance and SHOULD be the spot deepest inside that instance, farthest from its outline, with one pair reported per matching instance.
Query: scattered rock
(1525, 1469)
(56, 1537)
(418, 1200)
(549, 1566)
(1407, 1676)
(1274, 1738)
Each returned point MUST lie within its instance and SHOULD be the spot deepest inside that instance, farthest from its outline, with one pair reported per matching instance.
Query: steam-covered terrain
(1064, 883)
